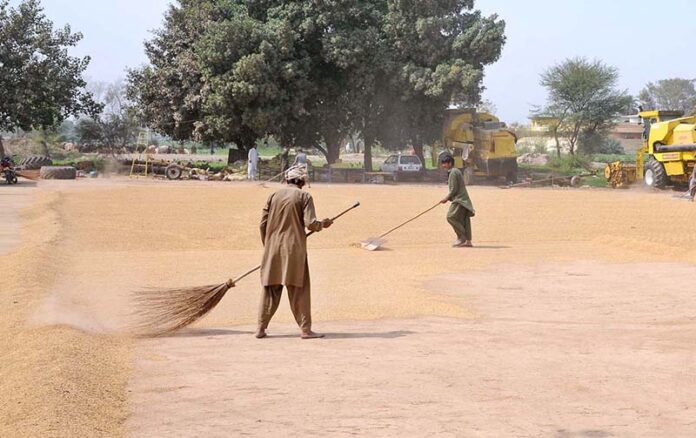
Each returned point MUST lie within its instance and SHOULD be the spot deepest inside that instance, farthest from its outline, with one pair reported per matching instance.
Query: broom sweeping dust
(162, 311)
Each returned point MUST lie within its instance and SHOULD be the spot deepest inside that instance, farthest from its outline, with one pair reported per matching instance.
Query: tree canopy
(669, 94)
(40, 84)
(311, 73)
(583, 99)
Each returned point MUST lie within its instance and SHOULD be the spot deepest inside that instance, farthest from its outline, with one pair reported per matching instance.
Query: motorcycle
(7, 170)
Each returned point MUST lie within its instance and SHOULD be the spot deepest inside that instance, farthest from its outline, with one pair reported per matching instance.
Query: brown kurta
(286, 215)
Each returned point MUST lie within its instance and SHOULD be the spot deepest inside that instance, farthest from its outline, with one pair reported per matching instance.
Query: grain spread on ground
(557, 323)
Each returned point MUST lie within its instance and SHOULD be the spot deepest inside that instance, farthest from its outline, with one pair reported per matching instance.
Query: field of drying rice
(573, 316)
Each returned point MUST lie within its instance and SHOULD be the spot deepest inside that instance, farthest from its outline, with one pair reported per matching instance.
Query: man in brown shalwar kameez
(286, 215)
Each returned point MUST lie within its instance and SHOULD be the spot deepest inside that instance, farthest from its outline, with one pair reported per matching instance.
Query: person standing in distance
(253, 162)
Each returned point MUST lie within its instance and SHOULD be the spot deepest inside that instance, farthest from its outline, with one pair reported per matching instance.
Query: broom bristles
(162, 311)
(26, 176)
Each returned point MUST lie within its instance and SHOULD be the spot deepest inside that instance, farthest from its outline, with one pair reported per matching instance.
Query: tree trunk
(418, 149)
(333, 152)
(558, 143)
(333, 148)
(44, 144)
(2, 148)
(356, 143)
(369, 141)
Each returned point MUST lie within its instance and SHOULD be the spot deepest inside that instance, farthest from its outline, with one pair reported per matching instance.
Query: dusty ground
(574, 316)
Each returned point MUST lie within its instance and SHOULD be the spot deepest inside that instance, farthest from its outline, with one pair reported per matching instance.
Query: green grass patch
(595, 181)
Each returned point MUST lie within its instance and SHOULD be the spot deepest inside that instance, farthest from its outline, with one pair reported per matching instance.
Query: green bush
(569, 164)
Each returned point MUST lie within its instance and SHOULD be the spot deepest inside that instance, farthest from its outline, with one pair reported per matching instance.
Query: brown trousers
(300, 304)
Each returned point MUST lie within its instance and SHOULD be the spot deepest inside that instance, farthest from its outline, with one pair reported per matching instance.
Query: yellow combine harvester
(669, 142)
(481, 144)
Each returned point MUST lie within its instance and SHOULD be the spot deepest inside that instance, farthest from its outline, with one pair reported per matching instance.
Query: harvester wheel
(173, 171)
(655, 174)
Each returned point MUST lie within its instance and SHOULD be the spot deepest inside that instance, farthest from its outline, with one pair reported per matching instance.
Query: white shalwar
(252, 164)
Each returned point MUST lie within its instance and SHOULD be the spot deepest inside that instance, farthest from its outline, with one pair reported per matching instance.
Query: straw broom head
(162, 311)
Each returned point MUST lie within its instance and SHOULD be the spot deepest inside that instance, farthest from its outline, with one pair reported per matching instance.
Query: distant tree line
(584, 102)
(40, 83)
(312, 73)
(307, 73)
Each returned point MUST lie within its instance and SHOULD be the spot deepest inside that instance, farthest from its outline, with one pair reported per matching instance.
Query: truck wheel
(35, 162)
(655, 174)
(58, 172)
(173, 171)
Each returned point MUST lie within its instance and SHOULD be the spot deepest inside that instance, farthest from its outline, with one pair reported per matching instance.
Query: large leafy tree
(670, 94)
(583, 98)
(438, 51)
(40, 83)
(311, 73)
(168, 91)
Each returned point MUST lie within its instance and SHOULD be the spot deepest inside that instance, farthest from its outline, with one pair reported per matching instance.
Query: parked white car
(402, 163)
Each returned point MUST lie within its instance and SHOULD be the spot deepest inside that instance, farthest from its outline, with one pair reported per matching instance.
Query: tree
(406, 61)
(669, 94)
(583, 98)
(311, 73)
(117, 126)
(167, 92)
(40, 84)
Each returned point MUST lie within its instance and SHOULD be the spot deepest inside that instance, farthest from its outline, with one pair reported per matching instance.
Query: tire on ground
(173, 171)
(58, 172)
(655, 174)
(35, 162)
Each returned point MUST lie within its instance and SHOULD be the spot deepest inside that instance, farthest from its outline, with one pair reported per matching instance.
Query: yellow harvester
(481, 144)
(670, 147)
(668, 154)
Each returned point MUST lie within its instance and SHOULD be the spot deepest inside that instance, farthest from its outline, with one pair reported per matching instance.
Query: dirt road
(574, 316)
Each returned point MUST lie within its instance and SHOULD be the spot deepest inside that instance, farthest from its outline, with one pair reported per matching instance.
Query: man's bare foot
(260, 334)
(311, 335)
(467, 244)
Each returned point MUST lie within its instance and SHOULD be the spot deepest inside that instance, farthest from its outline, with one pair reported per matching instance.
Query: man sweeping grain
(462, 209)
(286, 215)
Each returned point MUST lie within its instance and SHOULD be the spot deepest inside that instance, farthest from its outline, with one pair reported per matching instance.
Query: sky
(645, 40)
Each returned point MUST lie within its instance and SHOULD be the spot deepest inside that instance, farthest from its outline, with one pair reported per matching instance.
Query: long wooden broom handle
(269, 180)
(410, 220)
(251, 271)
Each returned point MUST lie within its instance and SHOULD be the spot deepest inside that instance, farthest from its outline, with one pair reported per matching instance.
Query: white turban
(296, 172)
